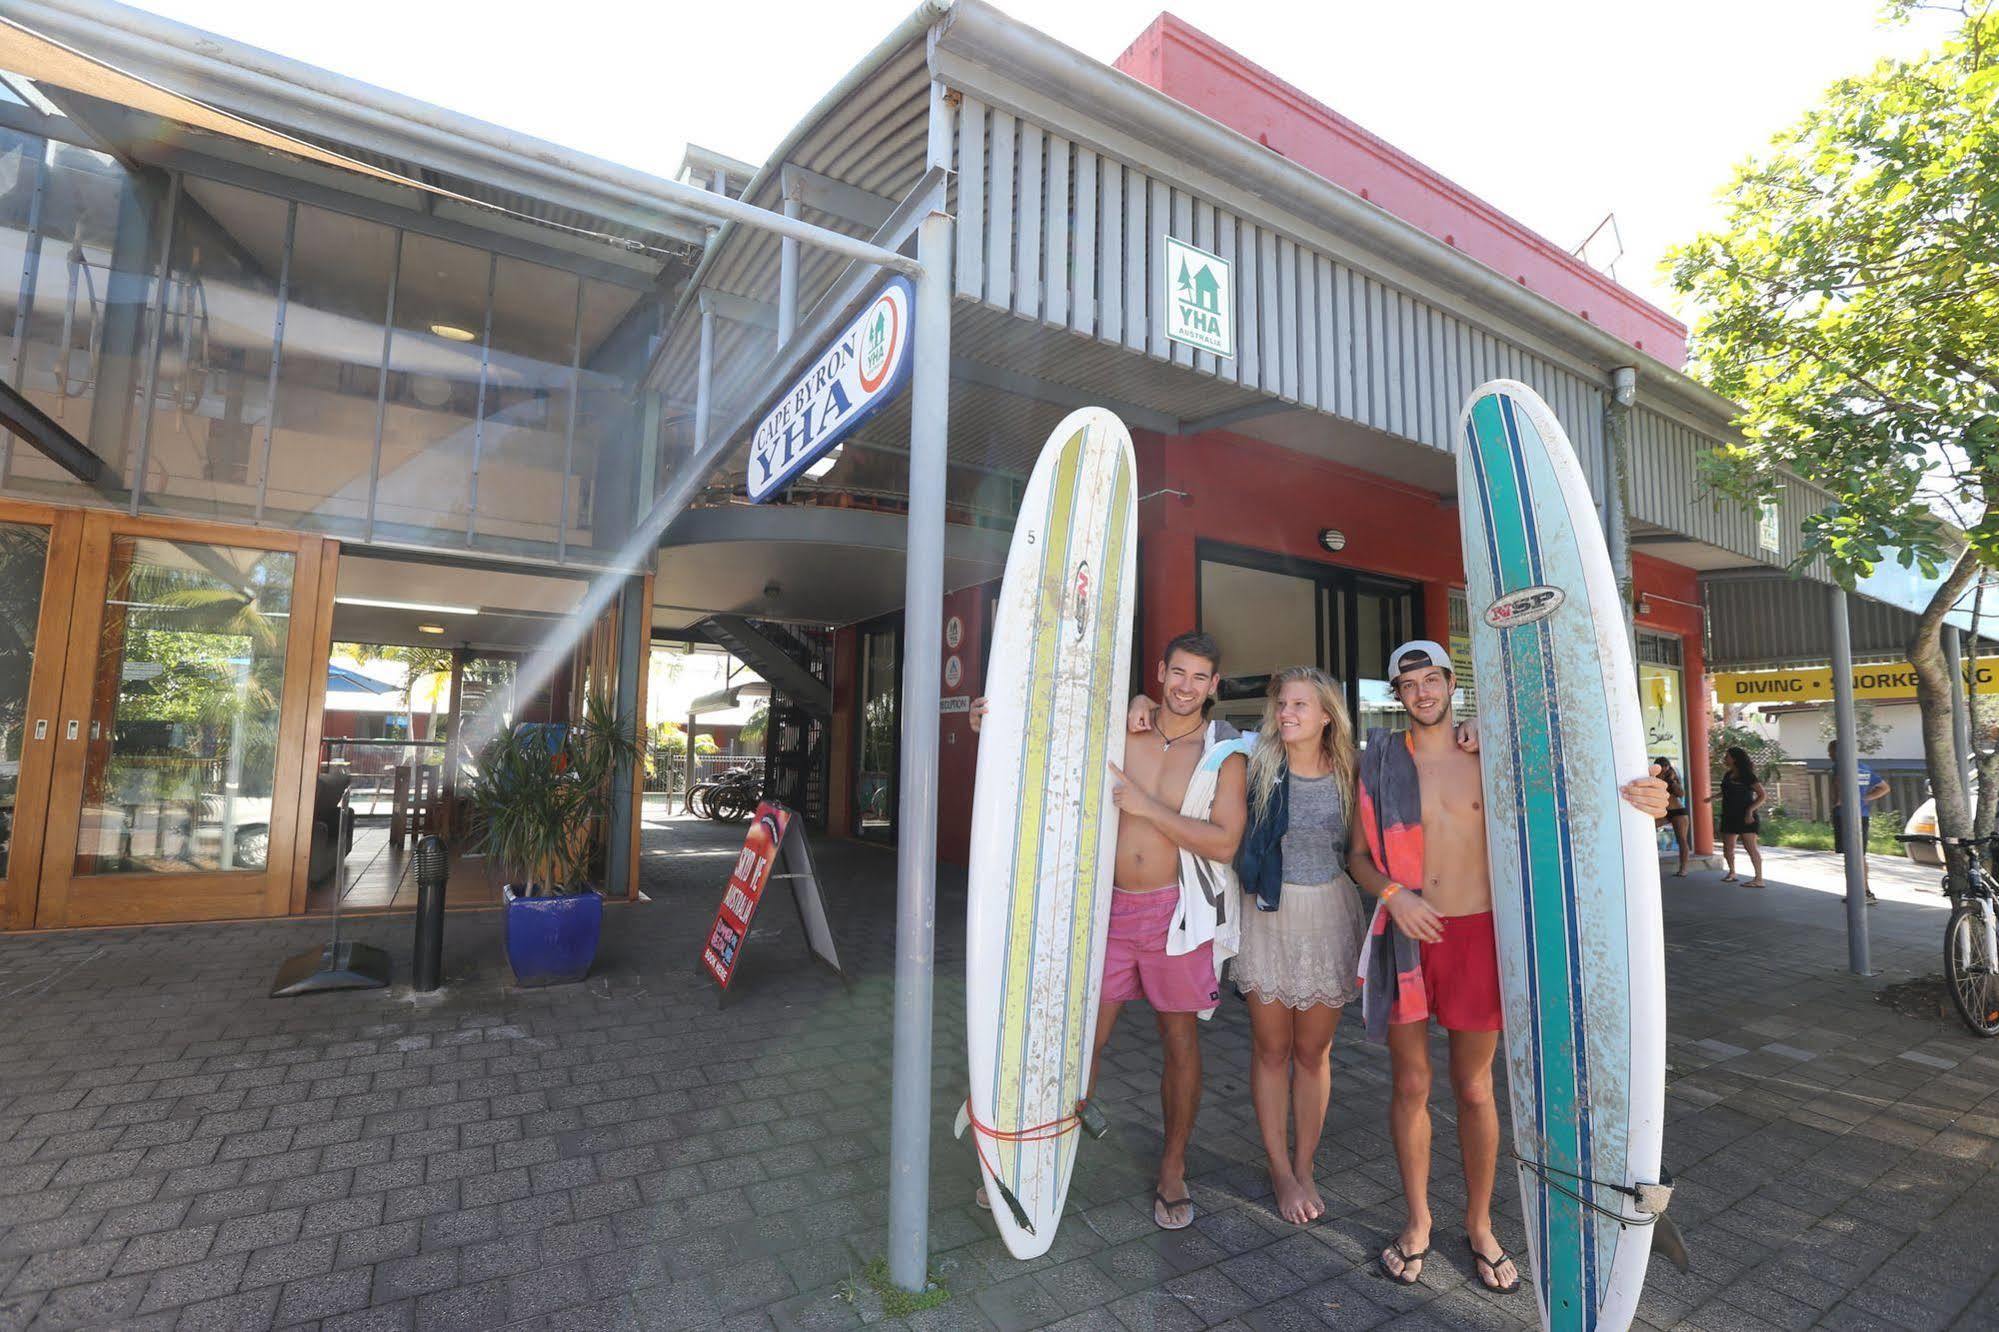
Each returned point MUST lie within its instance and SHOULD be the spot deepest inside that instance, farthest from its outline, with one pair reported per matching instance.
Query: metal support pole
(1616, 500)
(627, 694)
(1960, 713)
(704, 379)
(916, 812)
(787, 280)
(1847, 774)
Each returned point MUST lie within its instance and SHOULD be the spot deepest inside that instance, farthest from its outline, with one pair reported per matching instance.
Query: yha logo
(1082, 592)
(1523, 607)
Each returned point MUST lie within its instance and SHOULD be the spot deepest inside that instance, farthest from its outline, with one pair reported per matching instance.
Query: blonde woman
(1303, 932)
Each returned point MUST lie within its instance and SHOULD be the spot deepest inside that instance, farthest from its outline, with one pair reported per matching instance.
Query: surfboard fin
(1666, 1240)
(964, 1120)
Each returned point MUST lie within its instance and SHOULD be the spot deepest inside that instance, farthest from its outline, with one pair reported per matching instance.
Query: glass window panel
(1382, 619)
(211, 392)
(425, 489)
(330, 370)
(606, 424)
(1263, 623)
(184, 713)
(24, 553)
(1664, 712)
(20, 170)
(875, 792)
(529, 380)
(87, 331)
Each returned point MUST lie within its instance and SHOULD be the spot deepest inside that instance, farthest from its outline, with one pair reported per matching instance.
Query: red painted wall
(957, 746)
(1670, 596)
(1193, 68)
(841, 733)
(1252, 494)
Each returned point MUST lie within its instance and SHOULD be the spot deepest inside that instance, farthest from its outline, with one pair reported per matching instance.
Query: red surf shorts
(1136, 964)
(1461, 975)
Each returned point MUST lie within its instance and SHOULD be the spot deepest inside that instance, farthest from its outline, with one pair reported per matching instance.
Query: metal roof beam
(739, 309)
(1236, 416)
(609, 266)
(1060, 395)
(836, 197)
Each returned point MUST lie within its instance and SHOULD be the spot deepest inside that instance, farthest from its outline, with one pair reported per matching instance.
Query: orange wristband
(1390, 891)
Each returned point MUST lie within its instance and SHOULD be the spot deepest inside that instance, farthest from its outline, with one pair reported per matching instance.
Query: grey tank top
(1315, 839)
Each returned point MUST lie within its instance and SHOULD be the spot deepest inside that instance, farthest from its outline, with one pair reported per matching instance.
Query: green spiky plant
(536, 813)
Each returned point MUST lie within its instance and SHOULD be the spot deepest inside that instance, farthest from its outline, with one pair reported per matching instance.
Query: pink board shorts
(1136, 964)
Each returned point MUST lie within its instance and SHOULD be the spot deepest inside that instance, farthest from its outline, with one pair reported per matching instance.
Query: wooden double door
(161, 684)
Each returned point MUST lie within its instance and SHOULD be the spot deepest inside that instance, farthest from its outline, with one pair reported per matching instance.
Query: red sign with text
(745, 891)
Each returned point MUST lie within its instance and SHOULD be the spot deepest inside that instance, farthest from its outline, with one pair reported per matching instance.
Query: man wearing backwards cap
(1430, 951)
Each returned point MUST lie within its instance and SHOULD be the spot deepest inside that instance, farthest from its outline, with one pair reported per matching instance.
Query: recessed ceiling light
(432, 607)
(430, 628)
(453, 333)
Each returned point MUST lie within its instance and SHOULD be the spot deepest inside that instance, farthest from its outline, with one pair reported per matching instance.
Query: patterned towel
(1391, 817)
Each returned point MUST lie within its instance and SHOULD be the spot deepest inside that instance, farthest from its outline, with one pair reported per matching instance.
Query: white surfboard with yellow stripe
(1044, 831)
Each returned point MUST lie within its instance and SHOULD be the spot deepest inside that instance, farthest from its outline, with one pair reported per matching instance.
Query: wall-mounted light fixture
(1332, 538)
(430, 628)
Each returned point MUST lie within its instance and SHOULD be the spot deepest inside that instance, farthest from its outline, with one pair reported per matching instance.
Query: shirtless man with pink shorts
(1150, 790)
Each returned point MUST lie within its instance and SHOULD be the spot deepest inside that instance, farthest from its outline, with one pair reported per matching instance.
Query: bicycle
(733, 796)
(1971, 935)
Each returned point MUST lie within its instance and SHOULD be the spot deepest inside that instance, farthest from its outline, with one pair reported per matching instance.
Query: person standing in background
(1676, 809)
(1742, 799)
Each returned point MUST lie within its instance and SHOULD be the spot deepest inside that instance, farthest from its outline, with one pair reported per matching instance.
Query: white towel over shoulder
(1210, 906)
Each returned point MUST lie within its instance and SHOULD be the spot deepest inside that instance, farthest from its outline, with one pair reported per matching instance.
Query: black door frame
(1332, 580)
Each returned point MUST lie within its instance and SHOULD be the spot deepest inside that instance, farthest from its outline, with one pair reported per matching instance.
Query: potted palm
(540, 800)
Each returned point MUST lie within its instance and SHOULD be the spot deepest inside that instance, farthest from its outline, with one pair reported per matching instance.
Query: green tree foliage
(1851, 304)
(1868, 732)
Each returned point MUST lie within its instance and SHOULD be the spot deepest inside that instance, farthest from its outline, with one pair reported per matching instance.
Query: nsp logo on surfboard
(1523, 607)
(857, 375)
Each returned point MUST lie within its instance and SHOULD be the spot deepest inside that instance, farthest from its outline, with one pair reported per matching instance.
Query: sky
(1556, 111)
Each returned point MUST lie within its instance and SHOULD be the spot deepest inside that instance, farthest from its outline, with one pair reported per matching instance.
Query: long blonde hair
(1267, 762)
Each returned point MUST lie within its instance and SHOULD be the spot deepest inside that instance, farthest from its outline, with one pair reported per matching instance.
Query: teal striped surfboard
(1575, 870)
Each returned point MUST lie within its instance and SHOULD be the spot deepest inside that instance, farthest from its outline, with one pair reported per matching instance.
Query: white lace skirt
(1307, 951)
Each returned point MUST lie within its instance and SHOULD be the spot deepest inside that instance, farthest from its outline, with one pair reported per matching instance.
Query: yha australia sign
(857, 375)
(1200, 299)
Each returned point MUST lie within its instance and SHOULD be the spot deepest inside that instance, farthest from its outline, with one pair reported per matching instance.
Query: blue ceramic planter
(552, 940)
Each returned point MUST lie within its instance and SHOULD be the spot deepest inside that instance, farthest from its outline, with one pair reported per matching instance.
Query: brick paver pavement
(177, 1150)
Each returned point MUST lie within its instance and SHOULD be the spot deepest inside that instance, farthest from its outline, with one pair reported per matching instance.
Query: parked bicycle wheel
(736, 804)
(706, 803)
(1973, 986)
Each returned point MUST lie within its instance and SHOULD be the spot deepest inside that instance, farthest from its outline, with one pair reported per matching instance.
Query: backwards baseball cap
(1414, 656)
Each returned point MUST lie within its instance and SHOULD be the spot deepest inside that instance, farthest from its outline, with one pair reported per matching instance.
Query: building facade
(292, 361)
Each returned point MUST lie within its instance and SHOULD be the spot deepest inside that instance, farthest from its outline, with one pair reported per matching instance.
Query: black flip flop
(1161, 1202)
(1402, 1278)
(1491, 1269)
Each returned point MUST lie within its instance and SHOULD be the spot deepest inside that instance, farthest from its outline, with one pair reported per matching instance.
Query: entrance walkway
(177, 1150)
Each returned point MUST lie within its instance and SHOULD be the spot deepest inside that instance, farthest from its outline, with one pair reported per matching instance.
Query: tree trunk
(1933, 700)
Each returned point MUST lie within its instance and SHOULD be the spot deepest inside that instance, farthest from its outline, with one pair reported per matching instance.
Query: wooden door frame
(67, 898)
(20, 889)
(293, 901)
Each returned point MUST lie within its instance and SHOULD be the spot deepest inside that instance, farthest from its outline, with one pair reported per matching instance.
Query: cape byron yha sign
(856, 376)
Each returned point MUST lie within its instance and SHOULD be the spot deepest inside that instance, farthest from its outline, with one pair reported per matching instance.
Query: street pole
(1616, 501)
(1960, 715)
(1846, 772)
(916, 808)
